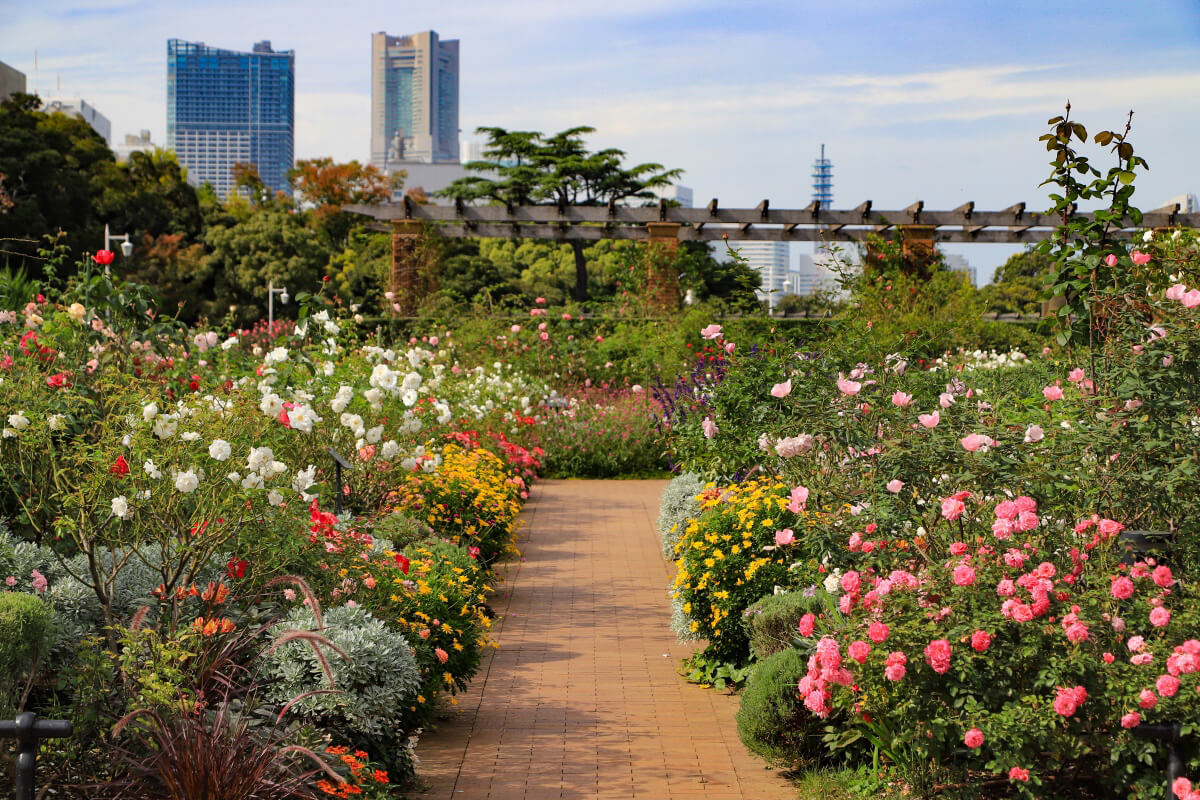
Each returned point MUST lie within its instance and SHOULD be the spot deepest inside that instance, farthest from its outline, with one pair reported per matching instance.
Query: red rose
(236, 568)
(120, 466)
(103, 257)
(402, 562)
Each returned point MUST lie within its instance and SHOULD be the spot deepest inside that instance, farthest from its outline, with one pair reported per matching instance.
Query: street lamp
(123, 238)
(283, 298)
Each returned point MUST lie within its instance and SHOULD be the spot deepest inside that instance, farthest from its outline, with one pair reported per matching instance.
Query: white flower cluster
(981, 359)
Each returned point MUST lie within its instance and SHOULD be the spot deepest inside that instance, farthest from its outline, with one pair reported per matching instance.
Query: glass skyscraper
(414, 99)
(225, 107)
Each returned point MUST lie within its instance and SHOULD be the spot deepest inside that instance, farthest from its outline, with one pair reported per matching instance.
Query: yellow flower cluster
(728, 557)
(472, 499)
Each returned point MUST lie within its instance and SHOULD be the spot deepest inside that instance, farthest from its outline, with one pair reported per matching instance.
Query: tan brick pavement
(582, 698)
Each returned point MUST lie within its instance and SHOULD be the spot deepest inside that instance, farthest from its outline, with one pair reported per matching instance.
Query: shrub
(677, 505)
(772, 721)
(399, 529)
(25, 625)
(771, 622)
(375, 678)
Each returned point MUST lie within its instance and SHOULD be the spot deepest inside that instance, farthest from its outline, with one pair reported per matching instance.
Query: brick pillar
(662, 281)
(916, 242)
(406, 252)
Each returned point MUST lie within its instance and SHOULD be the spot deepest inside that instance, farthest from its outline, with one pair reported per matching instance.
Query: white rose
(151, 469)
(55, 421)
(274, 498)
(390, 450)
(252, 481)
(219, 450)
(277, 468)
(409, 397)
(186, 481)
(149, 411)
(165, 427)
(120, 507)
(189, 436)
(233, 477)
(305, 478)
(375, 434)
(18, 421)
(260, 458)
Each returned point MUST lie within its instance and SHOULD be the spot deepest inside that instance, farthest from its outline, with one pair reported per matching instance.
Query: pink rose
(1162, 576)
(901, 400)
(782, 389)
(1131, 720)
(981, 641)
(711, 332)
(1122, 588)
(963, 575)
(1167, 685)
(945, 399)
(1176, 292)
(39, 581)
(1139, 258)
(974, 738)
(784, 536)
(937, 654)
(1159, 617)
(952, 508)
(895, 485)
(894, 672)
(974, 441)
(1076, 375)
(929, 420)
(1052, 393)
(846, 387)
(851, 582)
(1005, 588)
(1018, 774)
(1191, 299)
(878, 632)
(858, 650)
(1110, 260)
(710, 428)
(1147, 699)
(806, 625)
(797, 499)
(1182, 788)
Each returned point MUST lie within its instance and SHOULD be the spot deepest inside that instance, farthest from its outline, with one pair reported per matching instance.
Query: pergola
(666, 226)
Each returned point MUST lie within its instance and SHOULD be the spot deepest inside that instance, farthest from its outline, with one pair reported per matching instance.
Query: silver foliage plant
(375, 676)
(677, 505)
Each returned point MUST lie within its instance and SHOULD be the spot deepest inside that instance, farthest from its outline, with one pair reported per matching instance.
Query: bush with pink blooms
(1007, 541)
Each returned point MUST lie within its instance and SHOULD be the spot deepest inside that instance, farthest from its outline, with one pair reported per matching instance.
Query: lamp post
(123, 238)
(283, 298)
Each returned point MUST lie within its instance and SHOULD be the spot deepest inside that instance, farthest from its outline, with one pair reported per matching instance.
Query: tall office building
(771, 261)
(414, 99)
(226, 107)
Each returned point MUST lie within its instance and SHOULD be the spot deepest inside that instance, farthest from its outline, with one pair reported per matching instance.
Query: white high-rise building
(677, 192)
(771, 260)
(78, 107)
(1187, 203)
(134, 143)
(414, 99)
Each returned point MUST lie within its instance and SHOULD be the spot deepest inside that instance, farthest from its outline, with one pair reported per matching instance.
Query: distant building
(12, 80)
(959, 263)
(677, 192)
(414, 99)
(770, 259)
(430, 177)
(78, 107)
(226, 107)
(1187, 203)
(134, 143)
(816, 273)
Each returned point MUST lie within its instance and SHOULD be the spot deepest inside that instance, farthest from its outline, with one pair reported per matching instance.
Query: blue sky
(938, 101)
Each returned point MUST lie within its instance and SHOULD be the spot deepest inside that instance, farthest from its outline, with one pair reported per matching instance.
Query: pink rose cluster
(825, 669)
(1190, 298)
(1015, 516)
(1068, 700)
(791, 446)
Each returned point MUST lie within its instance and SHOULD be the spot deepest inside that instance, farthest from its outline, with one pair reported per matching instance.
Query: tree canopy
(530, 167)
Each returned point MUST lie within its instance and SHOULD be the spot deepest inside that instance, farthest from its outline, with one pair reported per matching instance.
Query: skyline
(935, 102)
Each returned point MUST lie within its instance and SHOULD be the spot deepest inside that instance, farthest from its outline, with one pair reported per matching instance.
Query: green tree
(530, 167)
(1017, 286)
(51, 164)
(269, 245)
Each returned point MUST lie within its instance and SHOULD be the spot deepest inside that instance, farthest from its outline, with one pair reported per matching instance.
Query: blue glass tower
(226, 107)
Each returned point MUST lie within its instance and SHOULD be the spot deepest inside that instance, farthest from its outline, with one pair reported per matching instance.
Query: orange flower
(380, 776)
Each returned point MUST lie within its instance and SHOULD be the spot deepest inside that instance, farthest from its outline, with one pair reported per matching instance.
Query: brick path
(582, 698)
